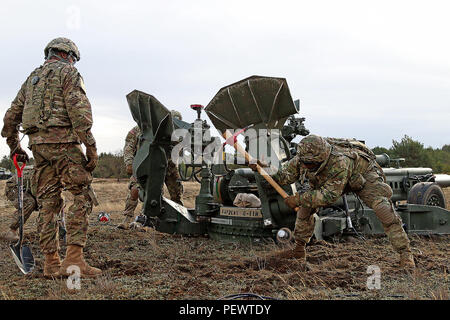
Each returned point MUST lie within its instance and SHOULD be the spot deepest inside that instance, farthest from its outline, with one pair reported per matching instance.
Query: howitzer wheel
(427, 193)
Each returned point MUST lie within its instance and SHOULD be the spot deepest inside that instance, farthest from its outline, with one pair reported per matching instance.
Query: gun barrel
(383, 159)
(407, 172)
(443, 180)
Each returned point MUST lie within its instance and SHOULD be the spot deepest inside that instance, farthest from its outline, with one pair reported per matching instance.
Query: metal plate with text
(241, 212)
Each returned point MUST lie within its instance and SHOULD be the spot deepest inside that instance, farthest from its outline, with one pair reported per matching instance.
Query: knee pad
(386, 190)
(385, 211)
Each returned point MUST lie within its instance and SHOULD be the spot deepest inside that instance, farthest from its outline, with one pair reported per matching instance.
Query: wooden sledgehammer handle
(228, 136)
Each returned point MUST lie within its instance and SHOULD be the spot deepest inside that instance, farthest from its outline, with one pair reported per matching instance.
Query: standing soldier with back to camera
(172, 180)
(334, 167)
(55, 113)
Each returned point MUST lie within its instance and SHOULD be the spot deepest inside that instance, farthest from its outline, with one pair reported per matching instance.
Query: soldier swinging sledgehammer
(334, 167)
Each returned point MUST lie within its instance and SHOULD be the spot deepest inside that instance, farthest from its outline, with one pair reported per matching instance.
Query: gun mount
(263, 104)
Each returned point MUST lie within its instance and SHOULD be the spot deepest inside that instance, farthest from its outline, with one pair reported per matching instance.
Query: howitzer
(265, 105)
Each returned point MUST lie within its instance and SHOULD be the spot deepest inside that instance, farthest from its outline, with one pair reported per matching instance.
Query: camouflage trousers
(173, 184)
(132, 197)
(59, 166)
(376, 194)
(29, 205)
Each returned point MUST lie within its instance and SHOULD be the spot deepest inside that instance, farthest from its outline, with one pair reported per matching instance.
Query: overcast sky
(374, 70)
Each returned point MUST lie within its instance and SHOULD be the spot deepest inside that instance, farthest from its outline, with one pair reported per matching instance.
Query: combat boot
(125, 225)
(52, 264)
(407, 260)
(74, 257)
(11, 235)
(400, 242)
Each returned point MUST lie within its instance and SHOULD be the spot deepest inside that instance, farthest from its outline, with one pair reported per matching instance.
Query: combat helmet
(65, 45)
(176, 114)
(313, 149)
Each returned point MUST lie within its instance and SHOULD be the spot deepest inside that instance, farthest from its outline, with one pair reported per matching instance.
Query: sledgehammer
(232, 140)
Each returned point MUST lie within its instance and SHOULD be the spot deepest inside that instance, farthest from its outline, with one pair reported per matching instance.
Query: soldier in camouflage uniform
(334, 167)
(55, 113)
(172, 178)
(29, 201)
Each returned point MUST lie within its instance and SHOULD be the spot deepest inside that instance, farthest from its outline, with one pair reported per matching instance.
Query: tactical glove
(129, 169)
(292, 201)
(91, 154)
(21, 155)
(86, 138)
(14, 146)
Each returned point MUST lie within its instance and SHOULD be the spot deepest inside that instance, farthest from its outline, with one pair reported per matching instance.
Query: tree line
(111, 165)
(416, 155)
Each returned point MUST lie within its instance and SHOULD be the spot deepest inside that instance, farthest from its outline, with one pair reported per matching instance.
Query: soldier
(55, 113)
(334, 167)
(172, 179)
(176, 114)
(29, 201)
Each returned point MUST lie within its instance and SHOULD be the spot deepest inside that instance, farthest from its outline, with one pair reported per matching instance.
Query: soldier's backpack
(348, 146)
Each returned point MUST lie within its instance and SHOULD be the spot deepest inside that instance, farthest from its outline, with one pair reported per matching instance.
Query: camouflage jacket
(51, 105)
(341, 172)
(131, 145)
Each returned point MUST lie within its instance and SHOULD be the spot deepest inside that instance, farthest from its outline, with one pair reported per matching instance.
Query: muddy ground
(152, 265)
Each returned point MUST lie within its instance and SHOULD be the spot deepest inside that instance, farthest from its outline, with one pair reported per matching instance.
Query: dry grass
(152, 265)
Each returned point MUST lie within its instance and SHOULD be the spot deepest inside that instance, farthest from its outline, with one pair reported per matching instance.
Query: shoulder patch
(34, 80)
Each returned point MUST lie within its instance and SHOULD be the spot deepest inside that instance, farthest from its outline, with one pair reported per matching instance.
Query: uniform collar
(57, 59)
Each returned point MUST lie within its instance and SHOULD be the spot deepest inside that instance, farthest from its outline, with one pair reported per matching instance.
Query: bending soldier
(334, 167)
(55, 113)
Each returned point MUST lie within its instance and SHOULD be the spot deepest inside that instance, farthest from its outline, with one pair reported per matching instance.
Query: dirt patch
(152, 265)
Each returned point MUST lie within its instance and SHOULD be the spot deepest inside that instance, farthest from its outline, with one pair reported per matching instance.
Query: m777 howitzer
(265, 105)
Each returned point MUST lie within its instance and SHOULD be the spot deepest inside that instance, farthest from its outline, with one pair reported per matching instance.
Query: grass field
(152, 265)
